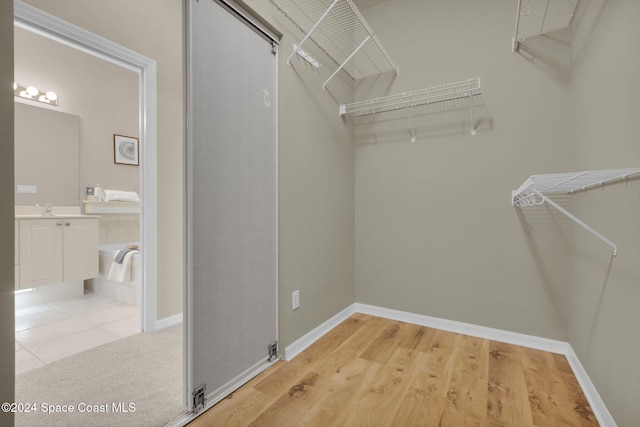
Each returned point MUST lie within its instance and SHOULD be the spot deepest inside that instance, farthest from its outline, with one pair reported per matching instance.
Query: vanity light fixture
(31, 92)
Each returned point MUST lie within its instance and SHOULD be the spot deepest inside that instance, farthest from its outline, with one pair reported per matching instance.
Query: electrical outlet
(21, 188)
(295, 300)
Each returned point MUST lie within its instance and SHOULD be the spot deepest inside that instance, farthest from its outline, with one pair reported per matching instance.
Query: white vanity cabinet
(56, 250)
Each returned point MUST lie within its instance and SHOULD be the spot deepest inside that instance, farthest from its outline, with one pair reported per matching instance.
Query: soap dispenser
(97, 191)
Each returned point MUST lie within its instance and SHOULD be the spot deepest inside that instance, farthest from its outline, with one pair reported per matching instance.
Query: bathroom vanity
(57, 246)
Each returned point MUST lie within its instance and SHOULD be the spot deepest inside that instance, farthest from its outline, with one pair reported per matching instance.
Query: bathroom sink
(38, 211)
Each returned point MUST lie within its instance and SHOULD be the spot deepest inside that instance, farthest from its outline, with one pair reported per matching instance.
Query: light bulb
(15, 85)
(32, 91)
(52, 95)
(43, 98)
(24, 94)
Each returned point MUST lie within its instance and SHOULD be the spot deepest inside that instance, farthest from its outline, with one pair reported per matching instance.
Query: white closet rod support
(473, 115)
(577, 221)
(306, 37)
(412, 133)
(324, 86)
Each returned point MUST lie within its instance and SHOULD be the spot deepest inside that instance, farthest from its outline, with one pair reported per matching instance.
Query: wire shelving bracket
(534, 190)
(407, 100)
(536, 17)
(338, 28)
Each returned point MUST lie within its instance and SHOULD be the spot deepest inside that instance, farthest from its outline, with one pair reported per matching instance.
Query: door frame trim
(52, 27)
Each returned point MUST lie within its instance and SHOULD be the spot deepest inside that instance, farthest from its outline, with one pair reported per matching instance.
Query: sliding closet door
(231, 317)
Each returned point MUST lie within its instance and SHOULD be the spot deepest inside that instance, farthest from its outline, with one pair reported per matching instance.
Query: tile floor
(49, 332)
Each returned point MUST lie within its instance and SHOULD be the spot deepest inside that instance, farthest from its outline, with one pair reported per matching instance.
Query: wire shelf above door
(534, 190)
(536, 17)
(338, 28)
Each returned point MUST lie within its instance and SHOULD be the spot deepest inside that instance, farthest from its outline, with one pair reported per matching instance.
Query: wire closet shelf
(416, 98)
(534, 191)
(338, 28)
(408, 100)
(536, 17)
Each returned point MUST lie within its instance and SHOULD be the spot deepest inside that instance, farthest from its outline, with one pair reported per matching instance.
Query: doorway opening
(35, 21)
(124, 361)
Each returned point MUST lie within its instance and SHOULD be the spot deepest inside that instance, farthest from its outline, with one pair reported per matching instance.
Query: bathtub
(110, 249)
(128, 292)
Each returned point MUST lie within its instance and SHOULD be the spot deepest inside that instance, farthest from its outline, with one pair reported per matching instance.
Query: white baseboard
(530, 341)
(312, 336)
(168, 321)
(597, 405)
(552, 346)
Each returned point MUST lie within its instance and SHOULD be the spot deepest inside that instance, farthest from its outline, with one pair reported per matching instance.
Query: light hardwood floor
(370, 371)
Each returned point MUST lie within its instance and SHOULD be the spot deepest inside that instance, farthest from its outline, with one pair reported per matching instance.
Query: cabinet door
(80, 249)
(40, 252)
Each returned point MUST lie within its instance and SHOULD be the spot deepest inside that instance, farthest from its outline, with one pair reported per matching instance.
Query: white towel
(120, 196)
(122, 272)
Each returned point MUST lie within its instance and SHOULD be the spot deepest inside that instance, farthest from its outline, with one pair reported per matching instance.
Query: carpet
(136, 381)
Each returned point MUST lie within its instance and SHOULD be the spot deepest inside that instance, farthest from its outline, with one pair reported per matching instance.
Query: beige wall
(154, 29)
(604, 309)
(435, 231)
(7, 319)
(105, 98)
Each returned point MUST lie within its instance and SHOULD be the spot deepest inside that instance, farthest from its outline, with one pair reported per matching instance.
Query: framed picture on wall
(126, 150)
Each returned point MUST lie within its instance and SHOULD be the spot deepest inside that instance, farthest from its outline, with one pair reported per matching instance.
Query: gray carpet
(144, 370)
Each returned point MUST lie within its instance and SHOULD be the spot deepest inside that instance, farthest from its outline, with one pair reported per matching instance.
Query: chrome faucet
(49, 210)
